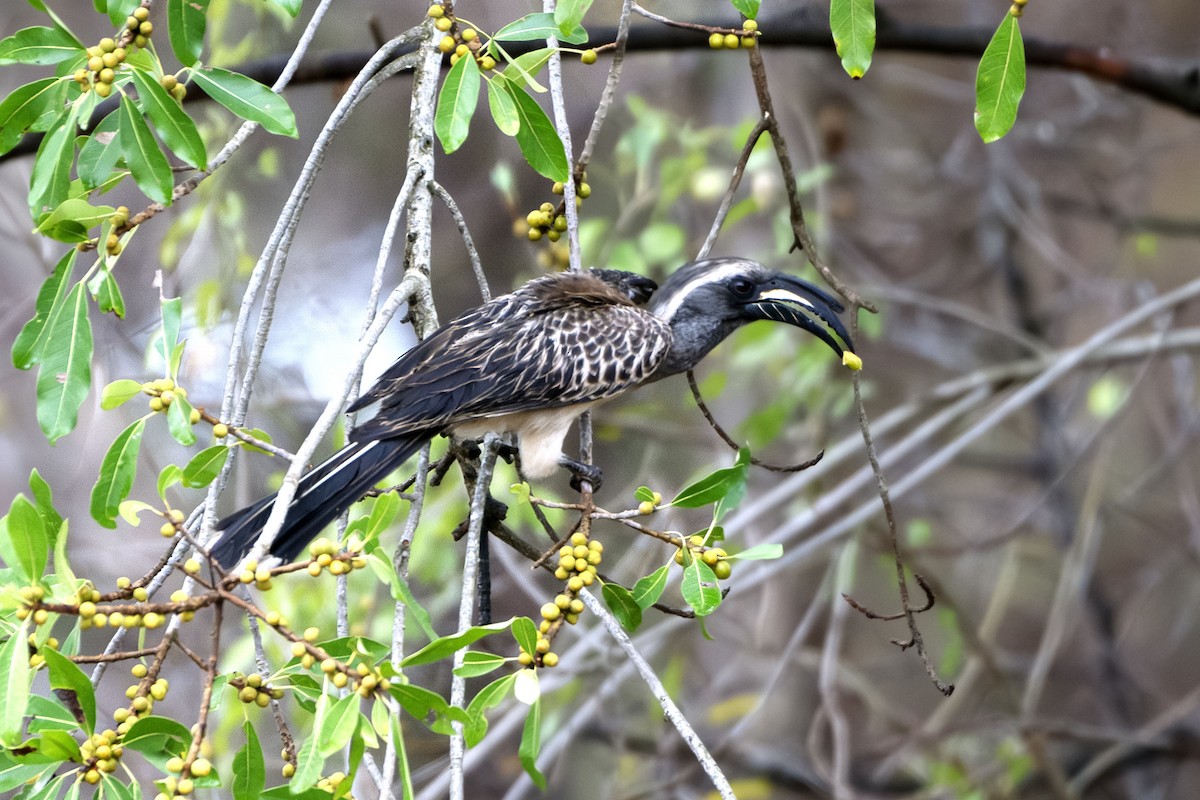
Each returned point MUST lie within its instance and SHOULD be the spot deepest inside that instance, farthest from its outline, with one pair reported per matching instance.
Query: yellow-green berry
(588, 57)
(436, 11)
(716, 41)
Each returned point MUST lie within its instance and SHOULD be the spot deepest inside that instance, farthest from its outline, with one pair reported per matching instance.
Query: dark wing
(549, 353)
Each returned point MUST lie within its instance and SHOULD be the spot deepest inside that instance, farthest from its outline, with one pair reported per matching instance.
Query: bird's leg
(581, 472)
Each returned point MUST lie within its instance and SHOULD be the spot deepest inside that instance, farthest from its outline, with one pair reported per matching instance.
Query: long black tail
(323, 495)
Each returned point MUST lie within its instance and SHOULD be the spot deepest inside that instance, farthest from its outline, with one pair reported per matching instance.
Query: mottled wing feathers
(557, 341)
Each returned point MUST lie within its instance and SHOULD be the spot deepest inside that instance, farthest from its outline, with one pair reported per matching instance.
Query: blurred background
(1063, 539)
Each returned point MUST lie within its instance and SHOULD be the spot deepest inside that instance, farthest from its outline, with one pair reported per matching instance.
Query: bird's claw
(581, 472)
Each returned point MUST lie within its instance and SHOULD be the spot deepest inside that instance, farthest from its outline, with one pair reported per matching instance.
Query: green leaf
(108, 294)
(503, 108)
(118, 393)
(179, 422)
(16, 678)
(113, 789)
(65, 373)
(100, 152)
(620, 601)
(568, 14)
(130, 509)
(117, 472)
(171, 474)
(525, 633)
(248, 99)
(446, 645)
(383, 513)
(292, 7)
(26, 349)
(476, 663)
(524, 68)
(172, 123)
(728, 482)
(537, 138)
(52, 747)
(24, 106)
(142, 155)
(489, 697)
(853, 25)
(171, 309)
(119, 10)
(158, 738)
(27, 539)
(72, 688)
(62, 565)
(531, 744)
(339, 725)
(44, 499)
(185, 27)
(1000, 81)
(700, 589)
(650, 587)
(39, 46)
(205, 466)
(747, 8)
(644, 494)
(51, 181)
(385, 570)
(760, 552)
(81, 215)
(539, 26)
(420, 703)
(456, 104)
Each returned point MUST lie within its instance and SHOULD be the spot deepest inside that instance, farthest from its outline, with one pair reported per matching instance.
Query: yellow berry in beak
(851, 361)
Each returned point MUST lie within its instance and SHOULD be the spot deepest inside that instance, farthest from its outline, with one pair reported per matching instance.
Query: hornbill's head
(705, 301)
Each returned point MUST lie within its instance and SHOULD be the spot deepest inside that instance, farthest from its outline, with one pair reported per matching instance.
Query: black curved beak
(799, 303)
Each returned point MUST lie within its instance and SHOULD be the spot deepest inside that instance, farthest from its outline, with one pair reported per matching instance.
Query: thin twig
(725, 437)
(735, 180)
(463, 231)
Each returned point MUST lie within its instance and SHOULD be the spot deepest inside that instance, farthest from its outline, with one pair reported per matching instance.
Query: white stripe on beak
(785, 295)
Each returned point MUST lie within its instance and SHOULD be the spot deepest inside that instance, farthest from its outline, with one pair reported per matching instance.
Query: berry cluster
(547, 220)
(139, 26)
(182, 786)
(577, 562)
(163, 392)
(99, 754)
(36, 659)
(714, 557)
(747, 37)
(104, 58)
(327, 555)
(117, 221)
(142, 696)
(332, 783)
(253, 689)
(459, 42)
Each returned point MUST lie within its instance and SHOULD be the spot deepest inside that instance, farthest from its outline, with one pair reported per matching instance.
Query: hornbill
(529, 363)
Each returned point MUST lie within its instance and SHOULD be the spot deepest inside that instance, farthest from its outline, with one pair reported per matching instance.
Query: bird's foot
(506, 451)
(581, 472)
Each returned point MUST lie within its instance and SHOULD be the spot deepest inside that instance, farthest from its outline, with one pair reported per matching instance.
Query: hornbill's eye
(742, 287)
